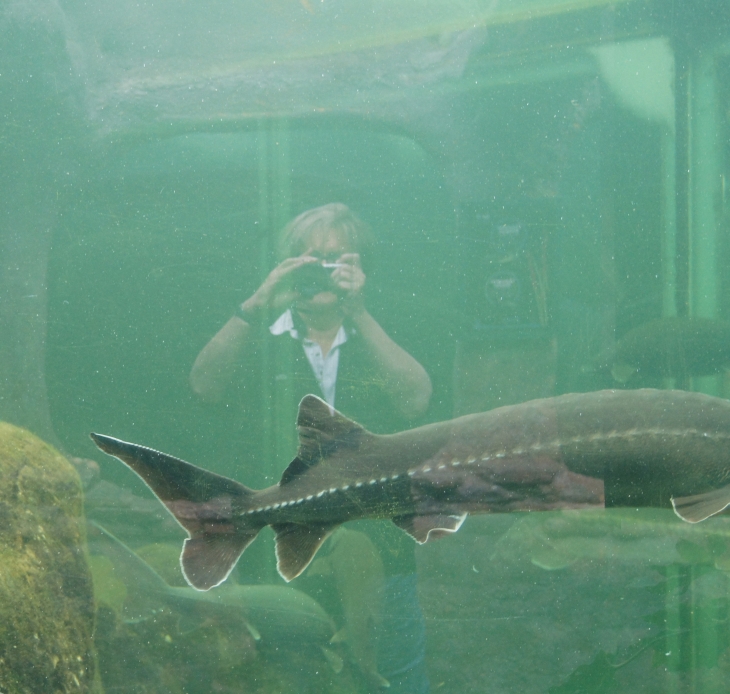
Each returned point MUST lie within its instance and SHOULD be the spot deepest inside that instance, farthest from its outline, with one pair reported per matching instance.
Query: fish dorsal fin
(322, 431)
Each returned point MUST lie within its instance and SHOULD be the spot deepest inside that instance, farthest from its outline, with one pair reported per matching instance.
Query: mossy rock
(46, 595)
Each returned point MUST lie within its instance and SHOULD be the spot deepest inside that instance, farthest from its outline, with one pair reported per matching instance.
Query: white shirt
(323, 366)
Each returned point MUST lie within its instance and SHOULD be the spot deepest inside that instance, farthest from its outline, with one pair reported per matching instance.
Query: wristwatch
(250, 317)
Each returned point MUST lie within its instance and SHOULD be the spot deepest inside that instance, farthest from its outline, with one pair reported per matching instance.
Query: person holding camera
(311, 308)
(319, 286)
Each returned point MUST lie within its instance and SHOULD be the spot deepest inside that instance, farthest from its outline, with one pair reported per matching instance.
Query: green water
(541, 179)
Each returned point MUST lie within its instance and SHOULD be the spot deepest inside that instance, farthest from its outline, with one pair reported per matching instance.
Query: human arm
(215, 366)
(405, 381)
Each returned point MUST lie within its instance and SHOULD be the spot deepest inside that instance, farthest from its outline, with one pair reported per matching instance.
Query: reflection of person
(321, 281)
(345, 356)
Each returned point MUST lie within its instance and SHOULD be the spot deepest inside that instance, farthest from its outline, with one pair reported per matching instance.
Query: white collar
(324, 367)
(284, 324)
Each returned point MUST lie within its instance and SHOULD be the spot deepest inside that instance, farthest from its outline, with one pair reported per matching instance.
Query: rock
(46, 592)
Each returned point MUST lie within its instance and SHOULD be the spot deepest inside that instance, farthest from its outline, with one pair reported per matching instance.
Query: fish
(606, 448)
(557, 540)
(678, 347)
(274, 615)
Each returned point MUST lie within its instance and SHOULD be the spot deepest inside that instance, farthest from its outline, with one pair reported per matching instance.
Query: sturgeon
(668, 347)
(614, 448)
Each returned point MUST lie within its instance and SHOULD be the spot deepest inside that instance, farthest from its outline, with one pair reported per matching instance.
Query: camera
(313, 278)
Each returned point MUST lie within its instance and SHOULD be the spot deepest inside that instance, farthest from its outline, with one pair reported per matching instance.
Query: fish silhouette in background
(668, 347)
(556, 541)
(275, 616)
(614, 447)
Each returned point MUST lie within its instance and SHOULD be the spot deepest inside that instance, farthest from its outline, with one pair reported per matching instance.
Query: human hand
(349, 279)
(276, 290)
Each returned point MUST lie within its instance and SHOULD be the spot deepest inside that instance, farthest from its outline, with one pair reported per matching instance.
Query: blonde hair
(296, 236)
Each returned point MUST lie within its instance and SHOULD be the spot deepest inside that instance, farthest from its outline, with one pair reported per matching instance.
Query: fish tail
(207, 505)
(699, 507)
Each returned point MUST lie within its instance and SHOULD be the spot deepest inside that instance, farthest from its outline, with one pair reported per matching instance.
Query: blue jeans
(402, 637)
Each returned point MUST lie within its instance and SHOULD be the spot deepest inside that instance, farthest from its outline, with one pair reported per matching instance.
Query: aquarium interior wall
(546, 186)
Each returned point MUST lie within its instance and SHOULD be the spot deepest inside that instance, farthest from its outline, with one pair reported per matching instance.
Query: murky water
(544, 185)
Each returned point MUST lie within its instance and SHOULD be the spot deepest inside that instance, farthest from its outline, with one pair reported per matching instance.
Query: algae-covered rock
(46, 596)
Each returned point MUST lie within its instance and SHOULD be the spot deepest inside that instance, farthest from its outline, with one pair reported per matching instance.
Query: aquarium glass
(543, 192)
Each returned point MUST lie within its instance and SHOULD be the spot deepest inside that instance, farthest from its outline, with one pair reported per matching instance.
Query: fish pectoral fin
(622, 372)
(209, 557)
(340, 636)
(255, 633)
(699, 507)
(550, 559)
(430, 527)
(296, 545)
(378, 680)
(333, 659)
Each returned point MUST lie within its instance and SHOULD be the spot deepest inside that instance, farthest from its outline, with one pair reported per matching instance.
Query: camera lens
(310, 280)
